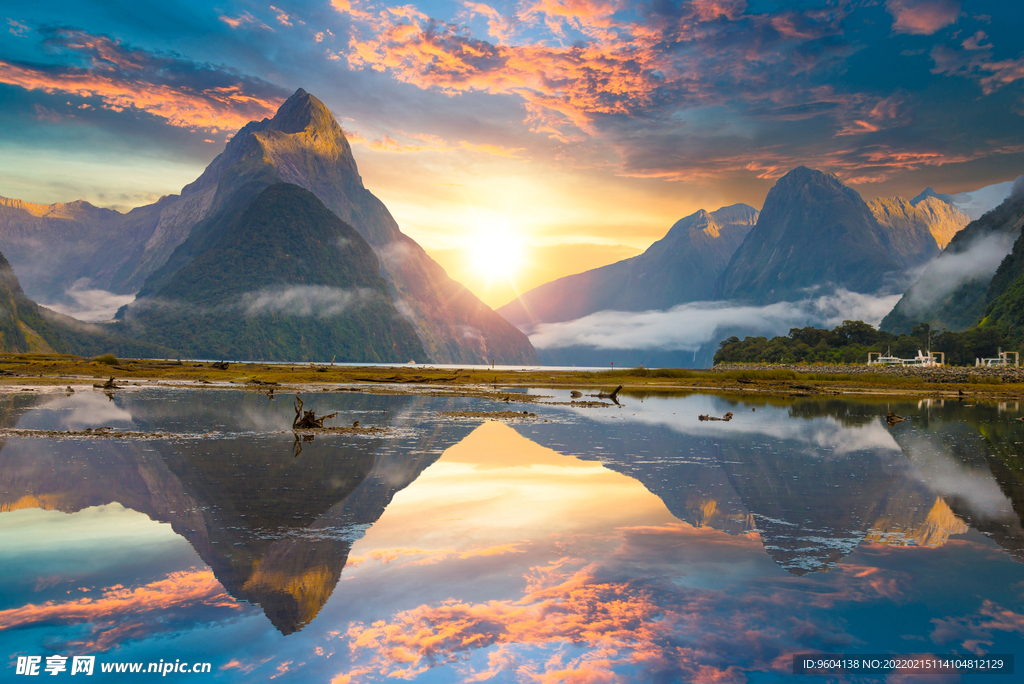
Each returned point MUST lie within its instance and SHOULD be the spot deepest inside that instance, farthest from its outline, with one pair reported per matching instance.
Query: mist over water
(950, 270)
(698, 327)
(89, 304)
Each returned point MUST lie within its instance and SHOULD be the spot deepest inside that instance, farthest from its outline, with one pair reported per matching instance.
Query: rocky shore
(942, 374)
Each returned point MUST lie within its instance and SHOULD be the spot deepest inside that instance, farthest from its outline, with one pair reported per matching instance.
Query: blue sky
(583, 124)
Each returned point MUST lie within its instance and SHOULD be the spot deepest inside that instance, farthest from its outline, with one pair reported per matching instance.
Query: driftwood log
(609, 395)
(727, 417)
(307, 420)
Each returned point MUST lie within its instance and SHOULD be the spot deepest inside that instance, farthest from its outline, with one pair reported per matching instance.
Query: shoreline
(40, 372)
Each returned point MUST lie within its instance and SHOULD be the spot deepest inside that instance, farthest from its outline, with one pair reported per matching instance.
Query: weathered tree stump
(307, 420)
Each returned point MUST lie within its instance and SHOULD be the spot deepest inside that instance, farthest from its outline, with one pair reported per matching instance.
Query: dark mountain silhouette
(283, 279)
(1004, 300)
(276, 529)
(681, 267)
(814, 231)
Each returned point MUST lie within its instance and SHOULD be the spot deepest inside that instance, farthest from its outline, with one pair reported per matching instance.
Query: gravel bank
(945, 374)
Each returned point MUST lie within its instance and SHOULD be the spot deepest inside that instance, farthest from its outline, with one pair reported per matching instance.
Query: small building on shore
(926, 360)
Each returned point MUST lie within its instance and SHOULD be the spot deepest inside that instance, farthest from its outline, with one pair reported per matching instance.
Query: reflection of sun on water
(497, 488)
(505, 557)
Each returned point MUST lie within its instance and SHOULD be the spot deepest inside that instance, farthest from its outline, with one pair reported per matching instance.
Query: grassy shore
(60, 370)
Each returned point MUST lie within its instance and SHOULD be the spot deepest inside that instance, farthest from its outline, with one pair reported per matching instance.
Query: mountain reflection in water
(629, 543)
(275, 529)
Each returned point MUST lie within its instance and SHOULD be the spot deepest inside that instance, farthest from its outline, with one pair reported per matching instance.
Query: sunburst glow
(496, 253)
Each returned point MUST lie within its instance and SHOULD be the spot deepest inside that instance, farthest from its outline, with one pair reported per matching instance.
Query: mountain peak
(929, 192)
(803, 175)
(735, 213)
(812, 229)
(301, 112)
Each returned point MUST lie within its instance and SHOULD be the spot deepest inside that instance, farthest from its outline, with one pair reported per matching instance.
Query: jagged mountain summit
(681, 267)
(912, 222)
(954, 291)
(304, 146)
(975, 203)
(814, 231)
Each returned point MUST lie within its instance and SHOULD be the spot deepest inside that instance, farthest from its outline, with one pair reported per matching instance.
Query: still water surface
(630, 543)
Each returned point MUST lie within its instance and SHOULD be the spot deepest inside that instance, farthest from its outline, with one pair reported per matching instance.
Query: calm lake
(629, 543)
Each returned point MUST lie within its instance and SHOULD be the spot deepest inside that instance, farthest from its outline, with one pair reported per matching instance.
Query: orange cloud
(707, 10)
(122, 79)
(591, 17)
(227, 108)
(283, 18)
(121, 613)
(244, 19)
(560, 85)
(499, 26)
(695, 635)
(605, 616)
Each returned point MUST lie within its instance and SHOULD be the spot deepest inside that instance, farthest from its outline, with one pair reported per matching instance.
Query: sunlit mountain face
(631, 543)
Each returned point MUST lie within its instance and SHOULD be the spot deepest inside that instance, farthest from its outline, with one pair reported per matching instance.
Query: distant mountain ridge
(975, 203)
(952, 293)
(910, 222)
(814, 231)
(50, 244)
(27, 327)
(681, 267)
(815, 236)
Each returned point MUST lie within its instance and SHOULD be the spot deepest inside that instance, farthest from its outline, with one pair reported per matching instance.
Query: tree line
(853, 340)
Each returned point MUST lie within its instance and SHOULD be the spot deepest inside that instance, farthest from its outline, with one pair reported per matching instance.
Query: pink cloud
(974, 42)
(976, 62)
(974, 632)
(922, 17)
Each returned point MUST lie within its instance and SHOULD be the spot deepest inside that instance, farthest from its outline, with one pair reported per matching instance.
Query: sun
(495, 253)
